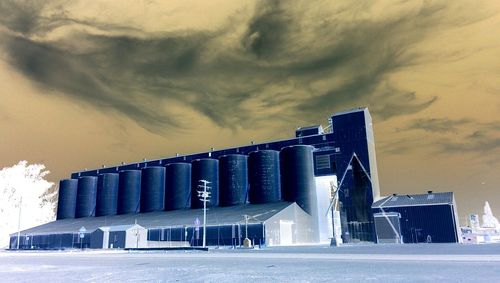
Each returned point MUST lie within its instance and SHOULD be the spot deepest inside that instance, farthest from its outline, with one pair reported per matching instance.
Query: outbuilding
(120, 236)
(419, 218)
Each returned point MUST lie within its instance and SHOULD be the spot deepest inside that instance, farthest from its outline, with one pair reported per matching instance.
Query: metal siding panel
(419, 221)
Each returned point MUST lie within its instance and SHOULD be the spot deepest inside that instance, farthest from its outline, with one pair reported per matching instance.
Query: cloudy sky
(86, 83)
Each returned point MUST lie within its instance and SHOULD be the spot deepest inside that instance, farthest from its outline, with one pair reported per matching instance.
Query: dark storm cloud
(76, 75)
(38, 17)
(326, 62)
(267, 30)
(479, 141)
(438, 125)
(400, 146)
(485, 139)
(20, 16)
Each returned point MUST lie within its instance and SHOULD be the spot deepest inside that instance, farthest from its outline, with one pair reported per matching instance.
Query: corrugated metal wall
(419, 222)
(220, 235)
(50, 241)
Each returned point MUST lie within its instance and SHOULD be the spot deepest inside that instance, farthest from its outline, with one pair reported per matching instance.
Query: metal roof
(185, 217)
(414, 200)
(120, 227)
(387, 214)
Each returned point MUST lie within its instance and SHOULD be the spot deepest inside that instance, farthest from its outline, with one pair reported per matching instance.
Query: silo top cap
(263, 150)
(87, 177)
(154, 167)
(233, 154)
(102, 174)
(177, 163)
(130, 170)
(203, 159)
(299, 145)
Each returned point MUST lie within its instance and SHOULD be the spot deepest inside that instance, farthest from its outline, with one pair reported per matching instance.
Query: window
(323, 162)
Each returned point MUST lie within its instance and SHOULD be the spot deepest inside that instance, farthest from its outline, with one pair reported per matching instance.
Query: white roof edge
(353, 110)
(417, 204)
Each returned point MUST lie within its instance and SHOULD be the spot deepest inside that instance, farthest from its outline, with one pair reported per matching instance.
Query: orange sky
(88, 83)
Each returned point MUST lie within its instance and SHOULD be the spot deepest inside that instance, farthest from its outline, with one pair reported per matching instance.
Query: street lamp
(204, 196)
(246, 242)
(19, 222)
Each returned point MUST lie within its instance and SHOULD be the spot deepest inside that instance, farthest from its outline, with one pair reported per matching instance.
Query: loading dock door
(105, 240)
(285, 232)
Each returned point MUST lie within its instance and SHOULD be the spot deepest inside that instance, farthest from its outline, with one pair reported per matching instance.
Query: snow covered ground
(375, 263)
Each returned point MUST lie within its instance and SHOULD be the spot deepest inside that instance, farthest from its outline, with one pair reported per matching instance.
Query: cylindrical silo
(264, 175)
(233, 179)
(208, 170)
(129, 191)
(107, 194)
(177, 186)
(297, 176)
(86, 196)
(153, 189)
(66, 204)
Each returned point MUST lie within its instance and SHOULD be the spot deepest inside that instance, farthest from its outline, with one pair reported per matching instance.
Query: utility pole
(19, 222)
(204, 196)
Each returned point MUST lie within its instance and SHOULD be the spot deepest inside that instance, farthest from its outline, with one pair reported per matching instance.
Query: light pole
(246, 242)
(246, 225)
(19, 222)
(204, 196)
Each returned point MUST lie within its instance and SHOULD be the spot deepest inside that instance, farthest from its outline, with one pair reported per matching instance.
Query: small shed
(120, 236)
(388, 227)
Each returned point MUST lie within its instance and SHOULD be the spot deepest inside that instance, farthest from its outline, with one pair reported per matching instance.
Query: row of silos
(261, 177)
